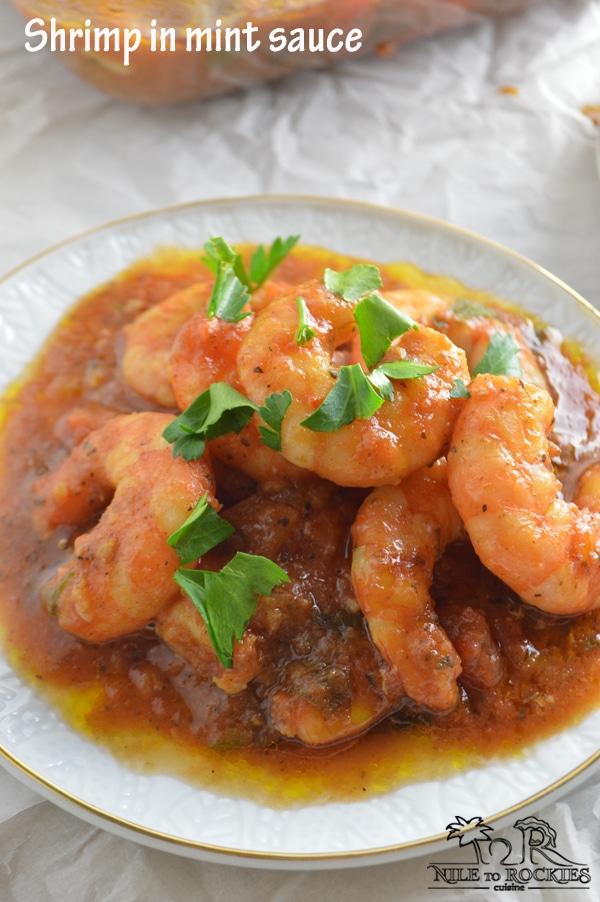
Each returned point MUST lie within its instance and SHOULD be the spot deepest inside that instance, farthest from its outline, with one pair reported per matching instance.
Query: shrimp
(471, 333)
(205, 351)
(502, 481)
(208, 346)
(181, 627)
(324, 703)
(403, 435)
(480, 655)
(587, 493)
(420, 305)
(120, 574)
(148, 342)
(399, 533)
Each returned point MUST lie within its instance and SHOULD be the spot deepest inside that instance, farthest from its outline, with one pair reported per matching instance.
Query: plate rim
(247, 857)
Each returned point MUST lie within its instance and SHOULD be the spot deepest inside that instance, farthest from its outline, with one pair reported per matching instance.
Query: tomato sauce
(154, 712)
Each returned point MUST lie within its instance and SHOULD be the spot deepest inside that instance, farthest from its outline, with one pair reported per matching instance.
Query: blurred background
(491, 125)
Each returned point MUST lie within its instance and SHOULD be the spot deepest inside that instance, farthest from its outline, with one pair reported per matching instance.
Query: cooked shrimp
(480, 655)
(503, 484)
(587, 493)
(120, 574)
(420, 305)
(471, 333)
(403, 435)
(181, 627)
(207, 346)
(148, 342)
(399, 533)
(205, 351)
(473, 336)
(322, 704)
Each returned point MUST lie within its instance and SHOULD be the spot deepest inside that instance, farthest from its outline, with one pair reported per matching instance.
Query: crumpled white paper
(432, 130)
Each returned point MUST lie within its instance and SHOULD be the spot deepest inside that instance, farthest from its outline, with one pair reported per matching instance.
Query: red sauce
(155, 713)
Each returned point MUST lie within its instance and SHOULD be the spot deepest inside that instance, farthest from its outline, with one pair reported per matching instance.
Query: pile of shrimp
(430, 468)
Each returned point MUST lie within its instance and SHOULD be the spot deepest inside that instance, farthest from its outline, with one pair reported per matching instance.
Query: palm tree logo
(472, 831)
(538, 844)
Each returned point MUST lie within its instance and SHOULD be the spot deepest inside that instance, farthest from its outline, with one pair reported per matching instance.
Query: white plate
(160, 811)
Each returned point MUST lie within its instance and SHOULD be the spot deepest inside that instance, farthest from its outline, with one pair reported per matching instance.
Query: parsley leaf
(229, 296)
(202, 530)
(465, 308)
(357, 395)
(397, 369)
(227, 599)
(353, 396)
(263, 263)
(459, 389)
(233, 284)
(354, 283)
(379, 323)
(305, 331)
(230, 292)
(406, 369)
(273, 411)
(501, 357)
(217, 411)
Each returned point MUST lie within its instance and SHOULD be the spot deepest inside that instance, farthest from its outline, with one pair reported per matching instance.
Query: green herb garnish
(354, 283)
(217, 411)
(356, 394)
(221, 410)
(273, 411)
(263, 262)
(465, 308)
(459, 389)
(233, 283)
(379, 323)
(202, 530)
(397, 369)
(226, 600)
(352, 397)
(305, 332)
(501, 357)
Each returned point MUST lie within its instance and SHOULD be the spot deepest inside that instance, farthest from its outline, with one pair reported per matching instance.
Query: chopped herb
(381, 384)
(354, 283)
(353, 396)
(465, 308)
(357, 395)
(273, 411)
(202, 530)
(305, 331)
(233, 284)
(229, 297)
(501, 357)
(217, 411)
(55, 595)
(263, 263)
(406, 369)
(227, 599)
(379, 323)
(459, 389)
(397, 369)
(217, 252)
